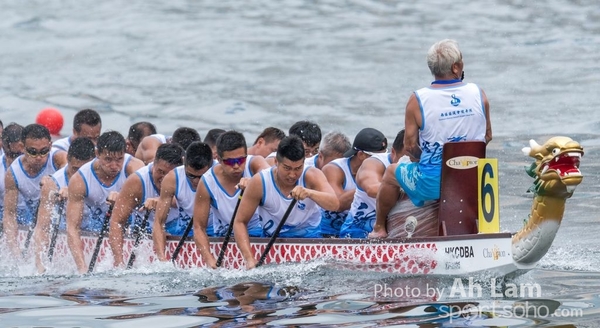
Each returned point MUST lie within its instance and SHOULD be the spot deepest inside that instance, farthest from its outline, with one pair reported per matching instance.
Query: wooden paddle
(276, 233)
(229, 231)
(55, 225)
(101, 237)
(138, 237)
(182, 240)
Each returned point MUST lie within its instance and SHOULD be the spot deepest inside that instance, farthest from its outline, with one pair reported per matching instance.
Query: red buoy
(52, 119)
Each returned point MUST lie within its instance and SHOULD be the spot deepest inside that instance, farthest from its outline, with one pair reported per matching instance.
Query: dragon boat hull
(464, 255)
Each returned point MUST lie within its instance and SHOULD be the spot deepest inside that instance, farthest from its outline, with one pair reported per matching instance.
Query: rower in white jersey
(341, 175)
(141, 191)
(54, 193)
(22, 180)
(271, 192)
(361, 216)
(333, 146)
(180, 183)
(310, 134)
(86, 123)
(220, 191)
(183, 136)
(447, 111)
(95, 185)
(12, 147)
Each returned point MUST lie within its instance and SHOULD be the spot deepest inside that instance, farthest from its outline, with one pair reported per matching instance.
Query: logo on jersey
(455, 101)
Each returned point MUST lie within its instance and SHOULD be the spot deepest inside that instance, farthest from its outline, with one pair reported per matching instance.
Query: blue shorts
(419, 187)
(358, 225)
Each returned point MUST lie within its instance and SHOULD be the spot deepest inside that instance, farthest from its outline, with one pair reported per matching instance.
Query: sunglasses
(234, 161)
(35, 153)
(192, 176)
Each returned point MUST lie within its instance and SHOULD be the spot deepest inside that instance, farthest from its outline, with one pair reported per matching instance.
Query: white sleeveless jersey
(453, 113)
(185, 194)
(62, 144)
(29, 186)
(311, 161)
(304, 219)
(223, 204)
(362, 209)
(60, 177)
(331, 221)
(161, 137)
(97, 193)
(149, 190)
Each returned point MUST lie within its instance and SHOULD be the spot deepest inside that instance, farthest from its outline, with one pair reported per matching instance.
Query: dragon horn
(532, 144)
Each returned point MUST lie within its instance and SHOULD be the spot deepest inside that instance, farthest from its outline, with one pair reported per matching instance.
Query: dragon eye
(555, 151)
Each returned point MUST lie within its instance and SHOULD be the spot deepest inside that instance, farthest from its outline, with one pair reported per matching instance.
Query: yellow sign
(487, 186)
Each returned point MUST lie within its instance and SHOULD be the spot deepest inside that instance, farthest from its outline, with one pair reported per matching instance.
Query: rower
(219, 191)
(266, 142)
(183, 136)
(142, 190)
(23, 177)
(341, 174)
(97, 185)
(137, 132)
(55, 190)
(334, 145)
(180, 184)
(86, 123)
(271, 191)
(310, 134)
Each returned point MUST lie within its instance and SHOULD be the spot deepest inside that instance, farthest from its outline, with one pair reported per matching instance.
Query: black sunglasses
(192, 176)
(13, 154)
(34, 152)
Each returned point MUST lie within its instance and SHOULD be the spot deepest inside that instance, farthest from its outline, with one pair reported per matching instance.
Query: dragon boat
(469, 241)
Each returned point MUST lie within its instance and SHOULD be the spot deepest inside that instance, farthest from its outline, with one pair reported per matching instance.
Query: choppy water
(345, 65)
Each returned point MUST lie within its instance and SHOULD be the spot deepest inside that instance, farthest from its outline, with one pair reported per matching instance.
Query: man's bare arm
(159, 235)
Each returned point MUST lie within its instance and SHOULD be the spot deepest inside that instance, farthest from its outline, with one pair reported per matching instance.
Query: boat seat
(458, 196)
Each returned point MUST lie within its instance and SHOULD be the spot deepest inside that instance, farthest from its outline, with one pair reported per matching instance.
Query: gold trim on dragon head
(556, 166)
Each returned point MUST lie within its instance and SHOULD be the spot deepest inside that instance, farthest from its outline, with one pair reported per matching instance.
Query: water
(345, 65)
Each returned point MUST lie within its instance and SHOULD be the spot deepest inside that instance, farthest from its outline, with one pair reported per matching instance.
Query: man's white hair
(442, 55)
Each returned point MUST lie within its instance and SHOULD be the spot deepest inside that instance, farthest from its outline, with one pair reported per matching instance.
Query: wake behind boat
(556, 175)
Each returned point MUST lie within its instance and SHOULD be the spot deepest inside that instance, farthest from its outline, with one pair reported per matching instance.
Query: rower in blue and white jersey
(54, 194)
(331, 221)
(22, 181)
(271, 192)
(97, 193)
(361, 216)
(95, 185)
(220, 191)
(140, 195)
(304, 220)
(86, 123)
(341, 174)
(180, 183)
(28, 184)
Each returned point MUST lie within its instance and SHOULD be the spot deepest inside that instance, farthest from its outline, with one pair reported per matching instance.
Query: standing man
(361, 216)
(341, 173)
(55, 189)
(448, 110)
(86, 123)
(137, 132)
(266, 142)
(180, 183)
(271, 191)
(141, 190)
(22, 180)
(219, 190)
(96, 184)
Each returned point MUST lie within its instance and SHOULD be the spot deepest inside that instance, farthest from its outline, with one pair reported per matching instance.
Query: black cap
(368, 139)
